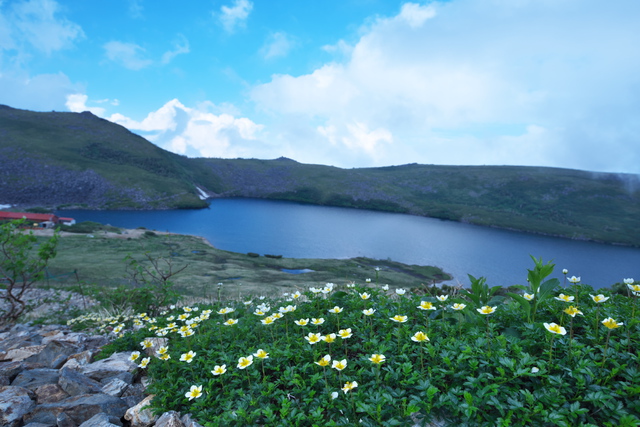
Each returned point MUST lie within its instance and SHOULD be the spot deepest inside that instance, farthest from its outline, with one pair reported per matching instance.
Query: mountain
(57, 159)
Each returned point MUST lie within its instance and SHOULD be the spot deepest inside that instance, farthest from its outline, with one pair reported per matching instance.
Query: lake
(306, 231)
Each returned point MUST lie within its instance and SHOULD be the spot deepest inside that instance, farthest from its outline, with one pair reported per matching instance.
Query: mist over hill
(60, 159)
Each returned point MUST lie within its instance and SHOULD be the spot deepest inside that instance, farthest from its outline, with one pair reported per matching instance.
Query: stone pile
(48, 377)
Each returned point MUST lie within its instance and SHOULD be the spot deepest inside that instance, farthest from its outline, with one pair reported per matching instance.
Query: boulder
(15, 402)
(23, 353)
(102, 420)
(54, 354)
(50, 393)
(78, 408)
(76, 383)
(141, 414)
(188, 421)
(169, 419)
(34, 378)
(115, 387)
(113, 365)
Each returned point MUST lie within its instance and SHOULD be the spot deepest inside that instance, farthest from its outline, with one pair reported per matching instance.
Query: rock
(169, 419)
(12, 369)
(102, 420)
(79, 408)
(115, 364)
(54, 354)
(64, 420)
(34, 378)
(15, 402)
(76, 383)
(39, 425)
(141, 415)
(188, 421)
(50, 393)
(23, 353)
(115, 387)
(127, 377)
(20, 339)
(83, 358)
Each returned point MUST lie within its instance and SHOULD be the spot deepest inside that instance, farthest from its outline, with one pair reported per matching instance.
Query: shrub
(22, 263)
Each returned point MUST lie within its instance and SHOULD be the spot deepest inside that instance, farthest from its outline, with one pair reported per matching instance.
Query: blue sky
(350, 83)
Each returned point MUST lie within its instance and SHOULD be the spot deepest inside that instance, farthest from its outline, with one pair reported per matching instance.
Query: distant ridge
(61, 159)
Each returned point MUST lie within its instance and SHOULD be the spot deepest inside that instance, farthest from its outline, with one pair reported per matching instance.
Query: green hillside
(87, 160)
(47, 153)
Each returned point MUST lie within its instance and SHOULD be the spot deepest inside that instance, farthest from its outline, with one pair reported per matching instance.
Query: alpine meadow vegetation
(359, 354)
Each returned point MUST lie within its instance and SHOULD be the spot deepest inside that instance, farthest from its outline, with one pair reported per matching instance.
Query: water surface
(306, 231)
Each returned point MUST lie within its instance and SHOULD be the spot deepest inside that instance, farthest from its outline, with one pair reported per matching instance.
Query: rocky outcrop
(48, 377)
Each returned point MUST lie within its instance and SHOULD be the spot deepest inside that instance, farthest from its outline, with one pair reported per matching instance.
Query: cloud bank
(475, 82)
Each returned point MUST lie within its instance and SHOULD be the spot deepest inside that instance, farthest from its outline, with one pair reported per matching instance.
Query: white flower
(385, 287)
(565, 271)
(535, 369)
(401, 291)
(628, 281)
(574, 279)
(334, 395)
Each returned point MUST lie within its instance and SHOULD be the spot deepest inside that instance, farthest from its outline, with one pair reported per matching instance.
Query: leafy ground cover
(361, 354)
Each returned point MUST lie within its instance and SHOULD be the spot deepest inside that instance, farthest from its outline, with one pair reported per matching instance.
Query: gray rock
(17, 340)
(141, 415)
(64, 420)
(54, 354)
(79, 408)
(39, 425)
(102, 420)
(50, 393)
(76, 383)
(127, 377)
(12, 369)
(188, 421)
(15, 402)
(115, 387)
(34, 378)
(169, 419)
(115, 364)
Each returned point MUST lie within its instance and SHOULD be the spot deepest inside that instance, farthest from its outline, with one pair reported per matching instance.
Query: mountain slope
(70, 158)
(53, 159)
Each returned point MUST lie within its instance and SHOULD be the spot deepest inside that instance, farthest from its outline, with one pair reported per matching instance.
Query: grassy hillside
(562, 202)
(54, 159)
(42, 154)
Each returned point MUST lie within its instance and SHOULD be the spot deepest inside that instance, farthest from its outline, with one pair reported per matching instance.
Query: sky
(349, 83)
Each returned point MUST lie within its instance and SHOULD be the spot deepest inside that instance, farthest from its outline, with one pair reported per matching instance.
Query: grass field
(99, 259)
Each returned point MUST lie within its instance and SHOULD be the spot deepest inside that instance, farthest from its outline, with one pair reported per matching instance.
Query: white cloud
(475, 82)
(129, 55)
(38, 22)
(415, 15)
(77, 103)
(233, 17)
(196, 131)
(277, 45)
(180, 46)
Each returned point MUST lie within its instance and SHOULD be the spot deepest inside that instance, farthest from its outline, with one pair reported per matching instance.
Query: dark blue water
(306, 231)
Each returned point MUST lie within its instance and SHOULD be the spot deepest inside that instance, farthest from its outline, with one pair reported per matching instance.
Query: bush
(22, 263)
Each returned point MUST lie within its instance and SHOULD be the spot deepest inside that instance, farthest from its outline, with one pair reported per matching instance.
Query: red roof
(28, 216)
